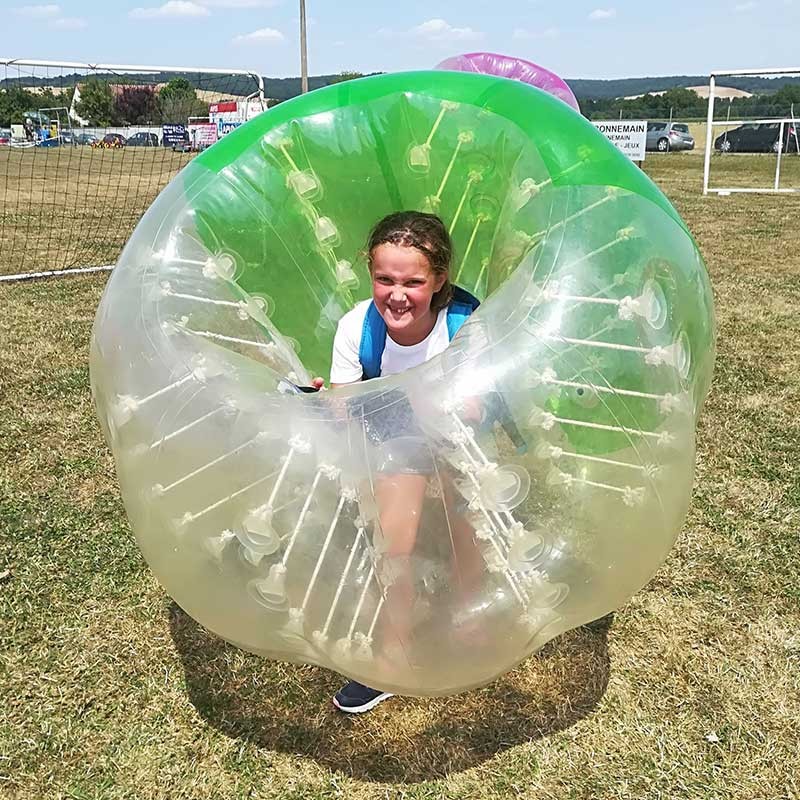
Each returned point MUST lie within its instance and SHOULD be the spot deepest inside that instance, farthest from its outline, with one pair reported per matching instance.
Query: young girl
(413, 314)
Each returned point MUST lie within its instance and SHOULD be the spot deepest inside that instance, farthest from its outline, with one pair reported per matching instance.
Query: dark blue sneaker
(355, 698)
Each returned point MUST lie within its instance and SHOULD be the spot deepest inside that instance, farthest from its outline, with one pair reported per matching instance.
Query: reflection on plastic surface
(265, 513)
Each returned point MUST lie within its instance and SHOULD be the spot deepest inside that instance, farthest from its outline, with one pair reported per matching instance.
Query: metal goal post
(782, 122)
(85, 149)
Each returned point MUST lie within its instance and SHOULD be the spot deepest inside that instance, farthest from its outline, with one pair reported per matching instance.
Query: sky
(584, 39)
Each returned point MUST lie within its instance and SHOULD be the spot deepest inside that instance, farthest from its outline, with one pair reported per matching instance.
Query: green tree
(96, 104)
(345, 76)
(787, 96)
(178, 101)
(14, 102)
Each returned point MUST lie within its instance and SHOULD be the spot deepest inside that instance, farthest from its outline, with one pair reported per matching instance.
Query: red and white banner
(202, 135)
(226, 107)
(232, 113)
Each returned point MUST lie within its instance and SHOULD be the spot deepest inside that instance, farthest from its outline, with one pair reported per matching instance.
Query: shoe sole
(363, 708)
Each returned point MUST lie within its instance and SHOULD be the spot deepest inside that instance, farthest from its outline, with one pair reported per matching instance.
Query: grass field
(76, 207)
(79, 203)
(691, 690)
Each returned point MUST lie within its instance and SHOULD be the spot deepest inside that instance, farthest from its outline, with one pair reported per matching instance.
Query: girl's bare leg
(399, 499)
(467, 560)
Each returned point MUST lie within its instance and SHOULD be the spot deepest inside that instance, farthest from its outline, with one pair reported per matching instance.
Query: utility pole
(303, 51)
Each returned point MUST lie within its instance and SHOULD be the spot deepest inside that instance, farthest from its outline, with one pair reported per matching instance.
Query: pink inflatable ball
(517, 69)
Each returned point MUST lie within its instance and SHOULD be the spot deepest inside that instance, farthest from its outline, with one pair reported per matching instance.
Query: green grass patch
(692, 690)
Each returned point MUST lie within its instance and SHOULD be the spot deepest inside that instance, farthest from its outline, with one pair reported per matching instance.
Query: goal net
(753, 145)
(85, 149)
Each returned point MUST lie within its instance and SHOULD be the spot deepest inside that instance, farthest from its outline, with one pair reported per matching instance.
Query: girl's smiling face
(403, 284)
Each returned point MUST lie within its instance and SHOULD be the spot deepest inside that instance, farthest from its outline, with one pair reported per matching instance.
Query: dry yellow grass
(692, 690)
(75, 206)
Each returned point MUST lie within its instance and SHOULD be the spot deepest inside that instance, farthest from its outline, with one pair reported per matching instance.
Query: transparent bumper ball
(267, 513)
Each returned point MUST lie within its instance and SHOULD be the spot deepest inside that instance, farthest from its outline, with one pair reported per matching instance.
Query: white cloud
(743, 8)
(439, 30)
(39, 12)
(172, 9)
(68, 24)
(433, 31)
(603, 13)
(50, 14)
(261, 36)
(524, 34)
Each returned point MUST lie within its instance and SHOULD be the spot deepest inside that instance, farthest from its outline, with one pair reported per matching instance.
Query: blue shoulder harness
(373, 334)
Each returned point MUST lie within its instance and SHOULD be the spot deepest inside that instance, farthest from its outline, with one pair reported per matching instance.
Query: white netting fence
(85, 149)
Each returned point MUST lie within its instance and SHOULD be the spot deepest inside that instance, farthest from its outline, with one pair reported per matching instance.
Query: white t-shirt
(346, 368)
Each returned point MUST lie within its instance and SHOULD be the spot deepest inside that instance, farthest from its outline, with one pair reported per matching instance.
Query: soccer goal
(776, 137)
(86, 148)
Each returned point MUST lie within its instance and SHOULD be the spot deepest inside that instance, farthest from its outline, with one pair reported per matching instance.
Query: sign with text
(225, 117)
(628, 135)
(202, 135)
(172, 135)
(226, 107)
(231, 114)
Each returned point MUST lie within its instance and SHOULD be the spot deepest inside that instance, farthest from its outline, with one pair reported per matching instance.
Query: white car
(663, 137)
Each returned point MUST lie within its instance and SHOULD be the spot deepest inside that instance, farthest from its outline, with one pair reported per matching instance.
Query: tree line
(679, 102)
(611, 88)
(685, 104)
(104, 104)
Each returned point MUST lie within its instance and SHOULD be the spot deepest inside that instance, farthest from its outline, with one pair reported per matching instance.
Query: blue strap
(459, 309)
(373, 343)
(373, 334)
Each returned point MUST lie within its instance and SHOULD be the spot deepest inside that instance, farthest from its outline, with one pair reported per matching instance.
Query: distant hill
(627, 87)
(284, 88)
(224, 85)
(725, 92)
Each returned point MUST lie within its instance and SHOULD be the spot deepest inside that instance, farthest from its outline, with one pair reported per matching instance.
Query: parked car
(5, 135)
(663, 137)
(67, 137)
(85, 138)
(143, 139)
(111, 141)
(758, 137)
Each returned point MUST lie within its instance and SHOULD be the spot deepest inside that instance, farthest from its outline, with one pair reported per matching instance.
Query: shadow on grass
(287, 708)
